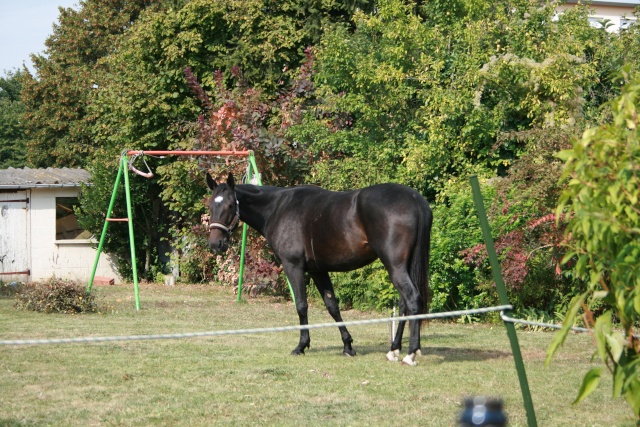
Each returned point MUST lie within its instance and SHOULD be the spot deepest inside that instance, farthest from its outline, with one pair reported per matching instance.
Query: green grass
(249, 380)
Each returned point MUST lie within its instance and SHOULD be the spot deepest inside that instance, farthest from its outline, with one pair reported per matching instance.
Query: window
(597, 22)
(625, 23)
(67, 227)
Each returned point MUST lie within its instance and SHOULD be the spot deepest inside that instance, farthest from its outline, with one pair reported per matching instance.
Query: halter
(232, 225)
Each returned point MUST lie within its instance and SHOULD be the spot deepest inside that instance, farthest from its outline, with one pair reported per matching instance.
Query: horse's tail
(419, 267)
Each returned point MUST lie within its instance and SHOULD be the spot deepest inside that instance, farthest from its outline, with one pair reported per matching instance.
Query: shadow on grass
(457, 354)
(445, 354)
(15, 423)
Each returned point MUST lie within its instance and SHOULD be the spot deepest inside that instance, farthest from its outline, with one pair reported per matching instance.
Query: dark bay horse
(315, 231)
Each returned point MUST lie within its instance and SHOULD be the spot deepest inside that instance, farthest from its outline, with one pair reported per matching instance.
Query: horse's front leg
(325, 287)
(295, 275)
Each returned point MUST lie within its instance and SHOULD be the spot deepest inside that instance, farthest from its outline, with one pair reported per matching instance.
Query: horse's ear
(211, 183)
(230, 181)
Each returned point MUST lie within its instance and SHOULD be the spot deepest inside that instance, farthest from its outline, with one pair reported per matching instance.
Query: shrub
(262, 274)
(10, 289)
(365, 289)
(55, 296)
(601, 201)
(191, 254)
(528, 239)
(455, 228)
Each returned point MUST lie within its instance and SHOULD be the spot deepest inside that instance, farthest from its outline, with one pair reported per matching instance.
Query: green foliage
(455, 228)
(12, 133)
(61, 120)
(55, 296)
(422, 97)
(242, 53)
(57, 97)
(601, 200)
(425, 93)
(145, 98)
(528, 239)
(368, 99)
(365, 289)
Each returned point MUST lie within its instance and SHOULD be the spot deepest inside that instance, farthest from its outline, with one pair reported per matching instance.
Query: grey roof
(12, 178)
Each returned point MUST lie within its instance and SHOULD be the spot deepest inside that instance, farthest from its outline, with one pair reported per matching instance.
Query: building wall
(616, 14)
(64, 259)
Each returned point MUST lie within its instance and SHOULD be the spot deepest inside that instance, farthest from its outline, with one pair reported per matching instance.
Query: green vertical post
(104, 228)
(252, 170)
(253, 166)
(132, 245)
(250, 174)
(504, 300)
(242, 251)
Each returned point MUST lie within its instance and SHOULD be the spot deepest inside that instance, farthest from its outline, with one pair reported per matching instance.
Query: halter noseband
(232, 226)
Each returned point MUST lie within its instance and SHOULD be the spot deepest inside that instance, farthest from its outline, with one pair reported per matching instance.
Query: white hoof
(392, 355)
(418, 353)
(409, 359)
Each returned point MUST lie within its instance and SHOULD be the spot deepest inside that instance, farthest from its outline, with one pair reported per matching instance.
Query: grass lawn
(251, 380)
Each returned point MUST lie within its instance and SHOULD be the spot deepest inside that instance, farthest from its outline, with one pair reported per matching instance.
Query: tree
(602, 178)
(424, 92)
(12, 134)
(57, 123)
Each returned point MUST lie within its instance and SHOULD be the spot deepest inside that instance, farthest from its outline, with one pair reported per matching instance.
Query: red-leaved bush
(245, 118)
(516, 248)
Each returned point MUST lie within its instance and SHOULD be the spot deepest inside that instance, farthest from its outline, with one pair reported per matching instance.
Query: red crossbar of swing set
(188, 153)
(149, 174)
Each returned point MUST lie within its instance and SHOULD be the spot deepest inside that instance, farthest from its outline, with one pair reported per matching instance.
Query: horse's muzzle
(219, 246)
(218, 241)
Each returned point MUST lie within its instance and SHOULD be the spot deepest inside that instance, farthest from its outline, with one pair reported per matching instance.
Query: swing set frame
(252, 175)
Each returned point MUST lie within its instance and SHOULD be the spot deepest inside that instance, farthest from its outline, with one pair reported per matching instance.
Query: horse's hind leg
(325, 287)
(396, 345)
(411, 297)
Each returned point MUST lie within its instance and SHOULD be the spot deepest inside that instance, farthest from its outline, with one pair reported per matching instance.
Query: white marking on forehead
(218, 199)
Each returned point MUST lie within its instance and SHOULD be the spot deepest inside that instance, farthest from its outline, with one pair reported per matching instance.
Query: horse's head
(224, 213)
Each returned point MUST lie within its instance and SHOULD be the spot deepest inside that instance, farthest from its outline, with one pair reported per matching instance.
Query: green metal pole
(293, 297)
(242, 251)
(252, 160)
(504, 300)
(131, 239)
(245, 230)
(253, 165)
(104, 228)
(252, 170)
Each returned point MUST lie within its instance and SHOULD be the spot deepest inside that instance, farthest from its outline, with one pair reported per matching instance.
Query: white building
(615, 14)
(39, 235)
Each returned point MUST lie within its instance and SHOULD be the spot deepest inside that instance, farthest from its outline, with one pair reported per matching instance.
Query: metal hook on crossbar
(132, 168)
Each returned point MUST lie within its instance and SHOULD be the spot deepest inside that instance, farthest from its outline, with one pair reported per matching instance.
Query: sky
(24, 26)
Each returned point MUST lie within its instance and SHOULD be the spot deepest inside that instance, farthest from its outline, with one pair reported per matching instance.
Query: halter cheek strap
(232, 226)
